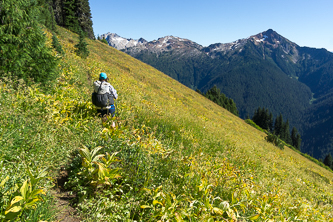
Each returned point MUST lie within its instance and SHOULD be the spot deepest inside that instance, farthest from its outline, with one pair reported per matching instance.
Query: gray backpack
(101, 98)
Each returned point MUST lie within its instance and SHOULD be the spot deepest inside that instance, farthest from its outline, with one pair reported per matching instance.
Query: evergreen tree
(299, 142)
(81, 48)
(214, 94)
(295, 138)
(278, 125)
(46, 14)
(260, 118)
(69, 15)
(256, 116)
(285, 134)
(74, 15)
(58, 12)
(84, 17)
(233, 108)
(328, 161)
(263, 118)
(24, 53)
(270, 122)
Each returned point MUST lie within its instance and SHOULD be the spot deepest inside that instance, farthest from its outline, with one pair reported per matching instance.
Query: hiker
(104, 96)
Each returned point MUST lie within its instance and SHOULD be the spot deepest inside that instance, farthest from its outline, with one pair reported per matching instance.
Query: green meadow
(173, 156)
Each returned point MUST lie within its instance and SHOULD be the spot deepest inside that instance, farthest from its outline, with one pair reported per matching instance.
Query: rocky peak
(166, 43)
(225, 47)
(120, 43)
(268, 39)
(142, 40)
(171, 42)
(273, 40)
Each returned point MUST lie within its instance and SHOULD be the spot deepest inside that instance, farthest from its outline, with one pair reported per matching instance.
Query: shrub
(272, 138)
(250, 122)
(104, 41)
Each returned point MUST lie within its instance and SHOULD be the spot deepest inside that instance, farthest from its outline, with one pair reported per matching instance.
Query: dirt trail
(66, 212)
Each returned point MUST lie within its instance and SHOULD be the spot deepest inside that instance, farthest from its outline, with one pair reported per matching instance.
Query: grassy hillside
(176, 155)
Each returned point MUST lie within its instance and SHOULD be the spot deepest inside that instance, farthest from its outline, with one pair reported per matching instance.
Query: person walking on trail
(103, 97)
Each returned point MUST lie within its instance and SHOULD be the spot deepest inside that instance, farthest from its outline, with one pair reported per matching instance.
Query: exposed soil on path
(66, 212)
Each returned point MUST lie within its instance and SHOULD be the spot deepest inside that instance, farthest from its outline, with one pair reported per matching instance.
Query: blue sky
(307, 22)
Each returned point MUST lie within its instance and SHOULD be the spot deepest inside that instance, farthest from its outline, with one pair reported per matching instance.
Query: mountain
(165, 44)
(265, 70)
(120, 43)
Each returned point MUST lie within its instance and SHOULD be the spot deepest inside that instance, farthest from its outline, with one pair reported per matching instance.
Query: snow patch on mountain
(181, 46)
(120, 43)
(167, 43)
(262, 39)
(225, 47)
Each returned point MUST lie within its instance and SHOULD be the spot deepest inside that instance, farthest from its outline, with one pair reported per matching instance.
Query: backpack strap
(100, 87)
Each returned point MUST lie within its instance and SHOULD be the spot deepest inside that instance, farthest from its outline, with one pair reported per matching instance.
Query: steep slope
(180, 156)
(265, 70)
(228, 158)
(243, 70)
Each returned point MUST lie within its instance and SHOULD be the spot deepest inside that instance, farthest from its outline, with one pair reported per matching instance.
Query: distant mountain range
(263, 70)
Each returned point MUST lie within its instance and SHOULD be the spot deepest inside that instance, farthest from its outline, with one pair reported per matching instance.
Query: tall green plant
(24, 53)
(97, 167)
(25, 198)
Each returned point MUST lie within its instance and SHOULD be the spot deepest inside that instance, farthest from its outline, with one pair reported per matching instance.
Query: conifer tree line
(74, 15)
(24, 54)
(23, 49)
(214, 94)
(263, 118)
